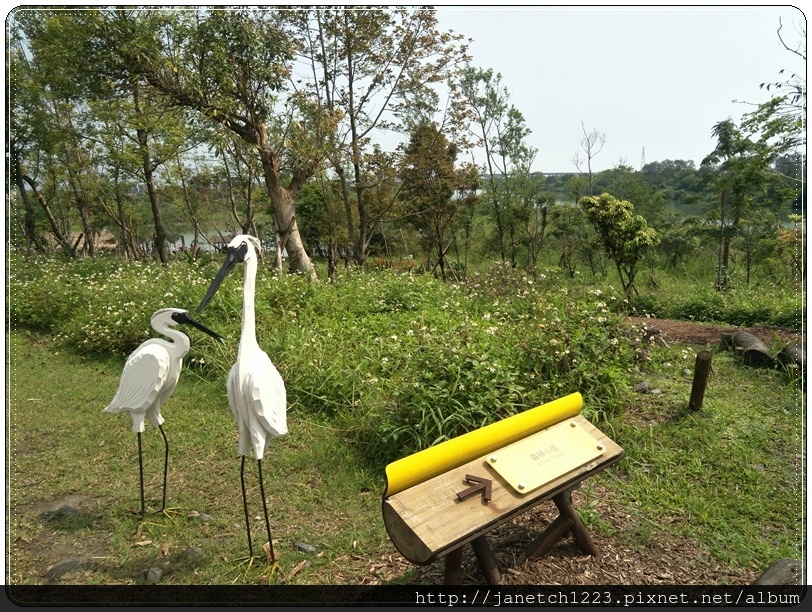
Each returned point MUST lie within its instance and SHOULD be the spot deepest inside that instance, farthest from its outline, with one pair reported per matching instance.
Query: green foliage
(402, 361)
(33, 302)
(377, 366)
(405, 361)
(746, 307)
(624, 236)
(97, 306)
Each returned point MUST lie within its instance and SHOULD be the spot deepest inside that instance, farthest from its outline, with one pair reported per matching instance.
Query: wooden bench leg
(568, 520)
(564, 503)
(542, 544)
(486, 560)
(453, 567)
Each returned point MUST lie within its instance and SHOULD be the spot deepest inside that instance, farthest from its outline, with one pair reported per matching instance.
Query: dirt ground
(677, 562)
(703, 334)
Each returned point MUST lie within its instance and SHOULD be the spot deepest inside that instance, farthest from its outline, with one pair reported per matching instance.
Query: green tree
(570, 229)
(89, 107)
(576, 186)
(321, 210)
(429, 182)
(28, 137)
(678, 240)
(756, 239)
(742, 172)
(228, 66)
(624, 236)
(500, 129)
(371, 69)
(533, 216)
(625, 183)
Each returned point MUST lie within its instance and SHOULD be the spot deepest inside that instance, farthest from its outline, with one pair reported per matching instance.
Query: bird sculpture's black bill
(233, 257)
(186, 319)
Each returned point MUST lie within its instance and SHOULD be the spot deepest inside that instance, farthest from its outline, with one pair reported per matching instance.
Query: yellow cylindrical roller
(425, 464)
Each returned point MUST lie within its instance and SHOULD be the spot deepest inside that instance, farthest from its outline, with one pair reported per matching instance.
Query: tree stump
(793, 353)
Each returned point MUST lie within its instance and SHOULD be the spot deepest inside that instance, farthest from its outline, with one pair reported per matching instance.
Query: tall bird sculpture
(256, 391)
(150, 376)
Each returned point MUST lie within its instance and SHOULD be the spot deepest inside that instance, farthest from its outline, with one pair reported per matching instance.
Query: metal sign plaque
(544, 456)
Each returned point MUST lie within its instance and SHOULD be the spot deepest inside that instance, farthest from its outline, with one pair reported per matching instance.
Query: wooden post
(701, 372)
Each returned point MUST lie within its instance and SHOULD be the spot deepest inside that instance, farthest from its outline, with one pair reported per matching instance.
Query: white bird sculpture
(256, 391)
(150, 376)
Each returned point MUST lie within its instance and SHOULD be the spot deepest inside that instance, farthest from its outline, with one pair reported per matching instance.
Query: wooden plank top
(430, 519)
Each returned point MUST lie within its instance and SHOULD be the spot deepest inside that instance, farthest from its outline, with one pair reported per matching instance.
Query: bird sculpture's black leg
(245, 507)
(166, 465)
(141, 473)
(265, 509)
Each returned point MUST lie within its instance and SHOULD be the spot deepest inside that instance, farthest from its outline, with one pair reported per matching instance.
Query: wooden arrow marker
(482, 484)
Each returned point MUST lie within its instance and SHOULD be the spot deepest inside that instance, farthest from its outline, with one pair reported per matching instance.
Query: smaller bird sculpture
(150, 376)
(256, 391)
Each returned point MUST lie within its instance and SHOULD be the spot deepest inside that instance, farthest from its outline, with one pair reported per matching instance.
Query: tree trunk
(30, 224)
(84, 215)
(284, 213)
(160, 231)
(146, 161)
(32, 239)
(332, 261)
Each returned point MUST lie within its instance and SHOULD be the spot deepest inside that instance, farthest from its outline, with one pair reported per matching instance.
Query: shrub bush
(399, 361)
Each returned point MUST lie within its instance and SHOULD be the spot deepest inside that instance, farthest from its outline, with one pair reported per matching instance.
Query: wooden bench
(458, 491)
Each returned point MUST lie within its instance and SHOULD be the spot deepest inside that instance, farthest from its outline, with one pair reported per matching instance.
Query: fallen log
(792, 359)
(793, 353)
(749, 349)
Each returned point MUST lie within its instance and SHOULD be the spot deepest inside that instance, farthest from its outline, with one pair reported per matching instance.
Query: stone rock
(783, 571)
(57, 570)
(66, 505)
(305, 548)
(641, 387)
(154, 575)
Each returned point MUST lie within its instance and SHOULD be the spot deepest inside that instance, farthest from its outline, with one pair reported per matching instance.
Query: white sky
(646, 77)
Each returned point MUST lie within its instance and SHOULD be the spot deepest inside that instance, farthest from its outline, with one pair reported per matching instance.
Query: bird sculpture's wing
(144, 375)
(236, 403)
(266, 391)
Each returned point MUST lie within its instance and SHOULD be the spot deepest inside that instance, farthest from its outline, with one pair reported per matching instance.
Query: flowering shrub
(398, 361)
(97, 306)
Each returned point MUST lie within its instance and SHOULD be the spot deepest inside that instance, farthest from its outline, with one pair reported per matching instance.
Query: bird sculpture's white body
(256, 391)
(151, 373)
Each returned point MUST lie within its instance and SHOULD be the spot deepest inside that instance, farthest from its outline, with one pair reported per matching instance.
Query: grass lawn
(728, 477)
